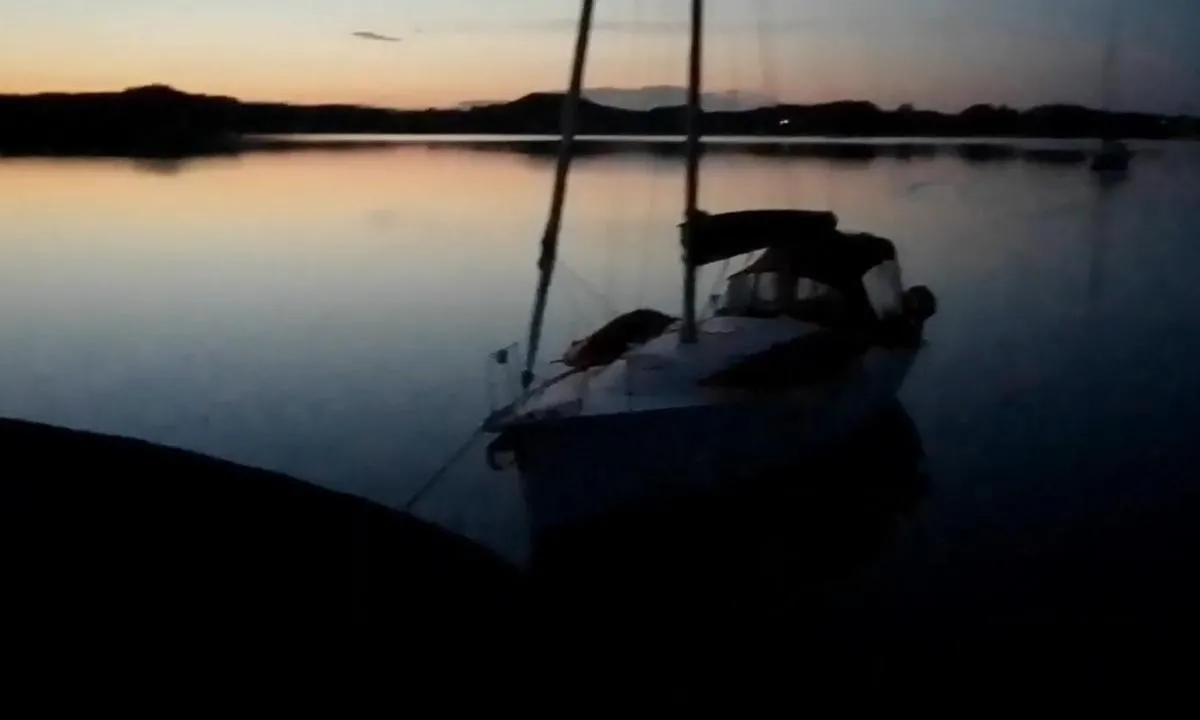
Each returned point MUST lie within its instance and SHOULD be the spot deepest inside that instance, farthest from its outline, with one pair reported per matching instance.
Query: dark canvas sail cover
(802, 243)
(720, 236)
(839, 261)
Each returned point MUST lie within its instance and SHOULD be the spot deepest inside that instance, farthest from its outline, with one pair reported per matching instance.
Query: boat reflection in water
(774, 540)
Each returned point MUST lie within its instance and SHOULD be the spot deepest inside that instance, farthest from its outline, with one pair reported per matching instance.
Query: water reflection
(1109, 179)
(304, 312)
(773, 542)
(159, 166)
(1101, 220)
(852, 152)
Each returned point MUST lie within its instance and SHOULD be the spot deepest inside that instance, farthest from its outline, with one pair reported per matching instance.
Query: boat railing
(502, 378)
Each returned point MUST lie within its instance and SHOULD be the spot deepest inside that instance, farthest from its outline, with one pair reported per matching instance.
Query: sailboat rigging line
(1108, 63)
(651, 197)
(720, 276)
(766, 62)
(442, 469)
(616, 202)
(687, 333)
(499, 358)
(763, 31)
(576, 315)
(562, 171)
(583, 311)
(592, 289)
(653, 176)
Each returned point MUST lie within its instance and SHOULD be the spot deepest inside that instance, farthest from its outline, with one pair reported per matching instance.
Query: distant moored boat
(1113, 156)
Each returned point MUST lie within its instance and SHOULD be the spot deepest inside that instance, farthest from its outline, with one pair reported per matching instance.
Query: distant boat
(1113, 155)
(811, 340)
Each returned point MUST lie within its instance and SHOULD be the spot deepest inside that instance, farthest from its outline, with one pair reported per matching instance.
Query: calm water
(328, 314)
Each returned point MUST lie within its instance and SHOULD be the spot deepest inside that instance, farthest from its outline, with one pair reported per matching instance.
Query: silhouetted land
(158, 121)
(113, 534)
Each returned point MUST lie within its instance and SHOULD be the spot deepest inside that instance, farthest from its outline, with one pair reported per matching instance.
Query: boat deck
(663, 373)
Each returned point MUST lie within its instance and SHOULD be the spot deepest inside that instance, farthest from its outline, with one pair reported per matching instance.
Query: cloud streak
(368, 35)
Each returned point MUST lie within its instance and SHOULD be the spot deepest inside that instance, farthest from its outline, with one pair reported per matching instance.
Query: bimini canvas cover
(720, 236)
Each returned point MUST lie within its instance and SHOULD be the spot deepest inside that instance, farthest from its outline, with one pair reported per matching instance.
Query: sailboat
(811, 339)
(1113, 155)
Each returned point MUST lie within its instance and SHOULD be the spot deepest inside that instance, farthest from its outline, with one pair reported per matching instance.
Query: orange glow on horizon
(936, 54)
(442, 73)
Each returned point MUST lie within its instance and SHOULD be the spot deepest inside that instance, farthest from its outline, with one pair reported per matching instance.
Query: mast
(549, 251)
(687, 333)
(1108, 69)
(1108, 62)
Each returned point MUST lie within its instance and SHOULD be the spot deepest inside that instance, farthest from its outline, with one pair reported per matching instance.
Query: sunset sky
(935, 53)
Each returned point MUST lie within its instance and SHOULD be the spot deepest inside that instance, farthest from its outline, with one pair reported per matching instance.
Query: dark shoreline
(159, 121)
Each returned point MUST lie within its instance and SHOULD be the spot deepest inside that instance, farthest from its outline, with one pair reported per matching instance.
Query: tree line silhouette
(159, 120)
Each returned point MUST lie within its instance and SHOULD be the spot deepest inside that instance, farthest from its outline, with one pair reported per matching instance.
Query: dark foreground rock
(783, 592)
(104, 532)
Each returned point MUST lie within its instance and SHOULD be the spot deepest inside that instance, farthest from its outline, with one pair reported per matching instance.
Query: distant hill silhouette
(158, 121)
(654, 96)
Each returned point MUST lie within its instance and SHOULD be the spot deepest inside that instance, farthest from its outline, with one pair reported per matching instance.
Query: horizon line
(467, 105)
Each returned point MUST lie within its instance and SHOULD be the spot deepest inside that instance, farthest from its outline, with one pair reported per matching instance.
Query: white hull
(580, 468)
(662, 374)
